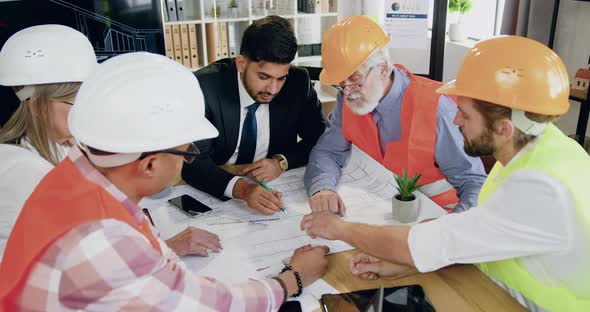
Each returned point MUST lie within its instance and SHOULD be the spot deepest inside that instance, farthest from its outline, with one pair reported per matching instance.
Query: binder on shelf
(325, 7)
(186, 55)
(176, 41)
(333, 5)
(304, 50)
(213, 48)
(233, 39)
(316, 49)
(223, 44)
(317, 6)
(168, 45)
(193, 45)
(170, 6)
(303, 5)
(179, 10)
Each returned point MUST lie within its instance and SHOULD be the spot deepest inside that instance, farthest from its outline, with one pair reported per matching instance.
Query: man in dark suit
(261, 106)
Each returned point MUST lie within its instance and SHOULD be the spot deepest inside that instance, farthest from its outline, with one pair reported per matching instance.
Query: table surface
(455, 288)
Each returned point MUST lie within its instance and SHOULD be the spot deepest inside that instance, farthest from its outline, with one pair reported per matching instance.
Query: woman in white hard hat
(45, 65)
(96, 251)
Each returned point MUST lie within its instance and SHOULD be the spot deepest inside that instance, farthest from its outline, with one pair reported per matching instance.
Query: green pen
(268, 189)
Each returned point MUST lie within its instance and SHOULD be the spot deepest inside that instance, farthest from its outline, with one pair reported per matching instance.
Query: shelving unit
(211, 17)
(584, 103)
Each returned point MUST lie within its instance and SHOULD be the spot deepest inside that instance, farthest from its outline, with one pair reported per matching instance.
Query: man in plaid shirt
(82, 243)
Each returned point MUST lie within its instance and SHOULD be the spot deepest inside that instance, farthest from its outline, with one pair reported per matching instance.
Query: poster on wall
(406, 22)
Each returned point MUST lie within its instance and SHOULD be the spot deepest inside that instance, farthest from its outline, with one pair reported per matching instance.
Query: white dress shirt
(531, 215)
(20, 172)
(262, 133)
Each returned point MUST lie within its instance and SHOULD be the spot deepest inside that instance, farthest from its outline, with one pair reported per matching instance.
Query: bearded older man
(393, 116)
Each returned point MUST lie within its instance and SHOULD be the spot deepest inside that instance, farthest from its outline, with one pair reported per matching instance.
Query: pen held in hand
(268, 189)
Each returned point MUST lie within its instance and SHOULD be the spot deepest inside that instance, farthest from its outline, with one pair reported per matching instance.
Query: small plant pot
(457, 32)
(405, 211)
(233, 12)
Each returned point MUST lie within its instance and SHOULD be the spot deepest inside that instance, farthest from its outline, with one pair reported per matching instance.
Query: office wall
(572, 43)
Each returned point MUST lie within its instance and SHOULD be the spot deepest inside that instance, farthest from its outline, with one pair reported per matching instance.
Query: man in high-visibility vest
(390, 114)
(82, 243)
(531, 228)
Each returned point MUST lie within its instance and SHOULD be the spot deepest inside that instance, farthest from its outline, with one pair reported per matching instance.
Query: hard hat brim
(449, 88)
(206, 130)
(200, 129)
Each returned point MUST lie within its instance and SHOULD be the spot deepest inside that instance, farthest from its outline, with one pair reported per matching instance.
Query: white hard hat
(46, 54)
(139, 102)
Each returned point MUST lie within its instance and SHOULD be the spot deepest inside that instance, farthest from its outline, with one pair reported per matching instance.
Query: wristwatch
(283, 163)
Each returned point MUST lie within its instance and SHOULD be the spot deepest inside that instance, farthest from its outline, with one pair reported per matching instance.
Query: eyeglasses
(353, 86)
(189, 155)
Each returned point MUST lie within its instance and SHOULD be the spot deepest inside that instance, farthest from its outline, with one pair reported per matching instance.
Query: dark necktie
(248, 139)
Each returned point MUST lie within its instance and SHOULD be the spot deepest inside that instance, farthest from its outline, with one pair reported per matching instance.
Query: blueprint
(259, 243)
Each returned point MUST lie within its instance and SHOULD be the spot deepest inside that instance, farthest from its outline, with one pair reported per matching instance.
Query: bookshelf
(198, 32)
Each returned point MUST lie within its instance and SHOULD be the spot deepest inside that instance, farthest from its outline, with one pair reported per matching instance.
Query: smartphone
(189, 205)
(409, 298)
(290, 306)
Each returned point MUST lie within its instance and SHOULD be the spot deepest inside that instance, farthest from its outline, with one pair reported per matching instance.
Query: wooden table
(456, 288)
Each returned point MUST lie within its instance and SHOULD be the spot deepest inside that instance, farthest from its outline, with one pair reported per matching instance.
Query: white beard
(366, 106)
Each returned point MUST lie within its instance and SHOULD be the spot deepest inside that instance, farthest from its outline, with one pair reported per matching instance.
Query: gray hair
(379, 57)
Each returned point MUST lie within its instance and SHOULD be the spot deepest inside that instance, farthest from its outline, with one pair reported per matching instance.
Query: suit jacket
(295, 111)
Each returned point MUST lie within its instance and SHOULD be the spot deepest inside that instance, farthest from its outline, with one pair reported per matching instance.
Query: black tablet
(409, 298)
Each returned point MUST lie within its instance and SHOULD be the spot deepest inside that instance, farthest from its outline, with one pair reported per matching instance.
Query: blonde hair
(32, 119)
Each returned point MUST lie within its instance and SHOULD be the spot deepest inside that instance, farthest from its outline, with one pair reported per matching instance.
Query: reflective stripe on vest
(63, 200)
(567, 161)
(415, 150)
(442, 191)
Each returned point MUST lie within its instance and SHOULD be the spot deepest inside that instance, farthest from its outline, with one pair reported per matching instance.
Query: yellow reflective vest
(568, 162)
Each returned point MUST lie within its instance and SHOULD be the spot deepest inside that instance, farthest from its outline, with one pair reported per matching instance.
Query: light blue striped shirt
(331, 153)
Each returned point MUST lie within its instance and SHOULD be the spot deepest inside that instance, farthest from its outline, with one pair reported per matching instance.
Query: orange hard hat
(514, 72)
(347, 45)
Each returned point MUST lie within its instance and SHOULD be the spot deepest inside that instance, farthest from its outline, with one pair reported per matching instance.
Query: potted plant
(233, 8)
(215, 11)
(405, 204)
(456, 30)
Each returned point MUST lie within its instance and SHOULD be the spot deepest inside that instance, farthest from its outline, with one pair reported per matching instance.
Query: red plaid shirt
(109, 266)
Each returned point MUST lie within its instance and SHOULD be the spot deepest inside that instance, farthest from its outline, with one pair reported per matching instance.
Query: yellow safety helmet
(347, 45)
(514, 72)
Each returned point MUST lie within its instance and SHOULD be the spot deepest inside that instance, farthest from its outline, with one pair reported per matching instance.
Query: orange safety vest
(63, 200)
(414, 152)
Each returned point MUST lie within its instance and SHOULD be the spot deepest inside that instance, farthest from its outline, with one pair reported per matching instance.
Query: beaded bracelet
(297, 278)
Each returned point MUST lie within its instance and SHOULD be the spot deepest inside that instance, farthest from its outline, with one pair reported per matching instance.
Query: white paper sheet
(255, 249)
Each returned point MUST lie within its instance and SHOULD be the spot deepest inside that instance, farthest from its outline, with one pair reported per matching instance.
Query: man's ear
(505, 129)
(384, 70)
(241, 63)
(147, 166)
